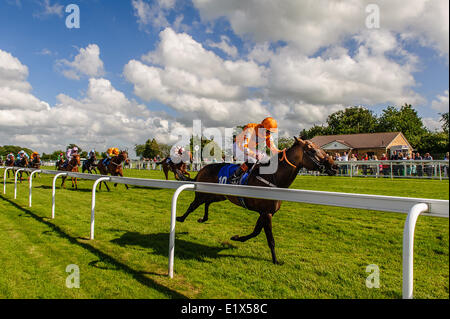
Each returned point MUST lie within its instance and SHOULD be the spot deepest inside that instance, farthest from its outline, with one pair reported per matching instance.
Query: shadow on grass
(183, 249)
(104, 258)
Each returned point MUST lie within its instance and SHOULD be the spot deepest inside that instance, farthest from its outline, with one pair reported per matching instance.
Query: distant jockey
(110, 153)
(33, 155)
(20, 156)
(247, 142)
(176, 156)
(91, 154)
(70, 152)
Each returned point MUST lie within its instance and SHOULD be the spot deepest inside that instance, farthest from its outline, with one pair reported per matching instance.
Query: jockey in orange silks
(247, 142)
(33, 155)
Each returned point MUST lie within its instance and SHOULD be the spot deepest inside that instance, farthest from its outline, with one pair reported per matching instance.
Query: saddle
(224, 178)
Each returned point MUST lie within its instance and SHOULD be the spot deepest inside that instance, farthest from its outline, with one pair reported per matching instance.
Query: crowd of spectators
(417, 168)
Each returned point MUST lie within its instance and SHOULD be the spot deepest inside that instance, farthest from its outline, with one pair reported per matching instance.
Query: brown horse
(114, 167)
(72, 166)
(9, 163)
(36, 162)
(23, 162)
(302, 154)
(179, 170)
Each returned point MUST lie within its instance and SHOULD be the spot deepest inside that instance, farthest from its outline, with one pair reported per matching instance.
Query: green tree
(403, 120)
(139, 149)
(444, 121)
(352, 120)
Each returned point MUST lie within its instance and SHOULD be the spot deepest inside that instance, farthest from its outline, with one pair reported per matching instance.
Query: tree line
(405, 119)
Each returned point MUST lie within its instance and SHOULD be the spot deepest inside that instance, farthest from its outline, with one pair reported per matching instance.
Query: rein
(284, 158)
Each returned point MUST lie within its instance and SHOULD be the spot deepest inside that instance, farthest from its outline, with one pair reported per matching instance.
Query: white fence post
(31, 182)
(15, 181)
(101, 179)
(172, 225)
(54, 192)
(408, 249)
(4, 179)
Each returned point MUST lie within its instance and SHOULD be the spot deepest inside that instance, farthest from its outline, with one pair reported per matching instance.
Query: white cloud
(224, 45)
(103, 118)
(49, 9)
(86, 63)
(441, 103)
(153, 14)
(311, 24)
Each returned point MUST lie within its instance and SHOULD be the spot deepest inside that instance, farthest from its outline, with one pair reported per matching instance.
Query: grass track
(325, 250)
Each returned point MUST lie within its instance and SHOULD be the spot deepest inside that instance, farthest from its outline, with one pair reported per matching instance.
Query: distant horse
(179, 170)
(72, 166)
(23, 162)
(301, 154)
(114, 167)
(36, 162)
(89, 165)
(9, 163)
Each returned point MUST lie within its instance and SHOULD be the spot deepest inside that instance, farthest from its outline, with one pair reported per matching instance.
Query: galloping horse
(36, 162)
(114, 167)
(179, 170)
(72, 166)
(9, 163)
(89, 165)
(23, 162)
(290, 161)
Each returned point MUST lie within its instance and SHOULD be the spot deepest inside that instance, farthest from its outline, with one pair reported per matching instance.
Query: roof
(365, 140)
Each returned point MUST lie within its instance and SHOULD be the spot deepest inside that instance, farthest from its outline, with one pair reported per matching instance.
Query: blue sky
(228, 65)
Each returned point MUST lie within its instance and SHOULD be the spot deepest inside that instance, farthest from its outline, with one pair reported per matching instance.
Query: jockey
(91, 154)
(33, 155)
(247, 142)
(110, 153)
(177, 154)
(70, 152)
(10, 157)
(20, 156)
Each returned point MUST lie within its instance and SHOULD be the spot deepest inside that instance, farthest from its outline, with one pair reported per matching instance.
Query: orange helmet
(270, 124)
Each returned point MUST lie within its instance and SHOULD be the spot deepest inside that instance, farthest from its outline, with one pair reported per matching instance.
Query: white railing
(412, 206)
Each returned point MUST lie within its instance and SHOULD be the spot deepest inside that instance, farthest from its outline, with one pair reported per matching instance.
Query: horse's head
(76, 160)
(314, 158)
(123, 155)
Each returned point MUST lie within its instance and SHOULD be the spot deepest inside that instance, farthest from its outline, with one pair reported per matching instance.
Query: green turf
(325, 250)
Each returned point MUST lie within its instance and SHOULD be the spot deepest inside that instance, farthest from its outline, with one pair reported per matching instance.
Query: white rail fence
(412, 206)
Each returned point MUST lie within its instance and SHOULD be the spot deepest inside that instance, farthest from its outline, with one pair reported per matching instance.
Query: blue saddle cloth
(227, 171)
(106, 161)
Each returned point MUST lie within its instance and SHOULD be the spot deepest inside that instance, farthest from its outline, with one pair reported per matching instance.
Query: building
(370, 143)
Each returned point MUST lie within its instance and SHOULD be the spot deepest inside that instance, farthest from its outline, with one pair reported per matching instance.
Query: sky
(138, 69)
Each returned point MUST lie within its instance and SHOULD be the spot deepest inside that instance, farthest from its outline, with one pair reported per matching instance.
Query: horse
(114, 167)
(301, 154)
(22, 162)
(36, 162)
(72, 166)
(179, 170)
(9, 163)
(89, 165)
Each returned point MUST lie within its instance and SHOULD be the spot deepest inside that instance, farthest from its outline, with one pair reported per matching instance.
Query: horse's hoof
(201, 220)
(278, 262)
(235, 238)
(180, 219)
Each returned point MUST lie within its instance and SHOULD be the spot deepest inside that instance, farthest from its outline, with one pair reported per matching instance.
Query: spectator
(384, 168)
(353, 158)
(344, 158)
(427, 167)
(446, 166)
(419, 167)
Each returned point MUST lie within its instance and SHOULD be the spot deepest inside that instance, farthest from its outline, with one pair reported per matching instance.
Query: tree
(352, 120)
(403, 120)
(139, 149)
(444, 121)
(285, 142)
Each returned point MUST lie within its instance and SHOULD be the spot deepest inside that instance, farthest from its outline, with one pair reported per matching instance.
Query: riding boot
(236, 177)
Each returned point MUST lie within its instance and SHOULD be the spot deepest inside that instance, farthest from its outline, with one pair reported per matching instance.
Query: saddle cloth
(227, 171)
